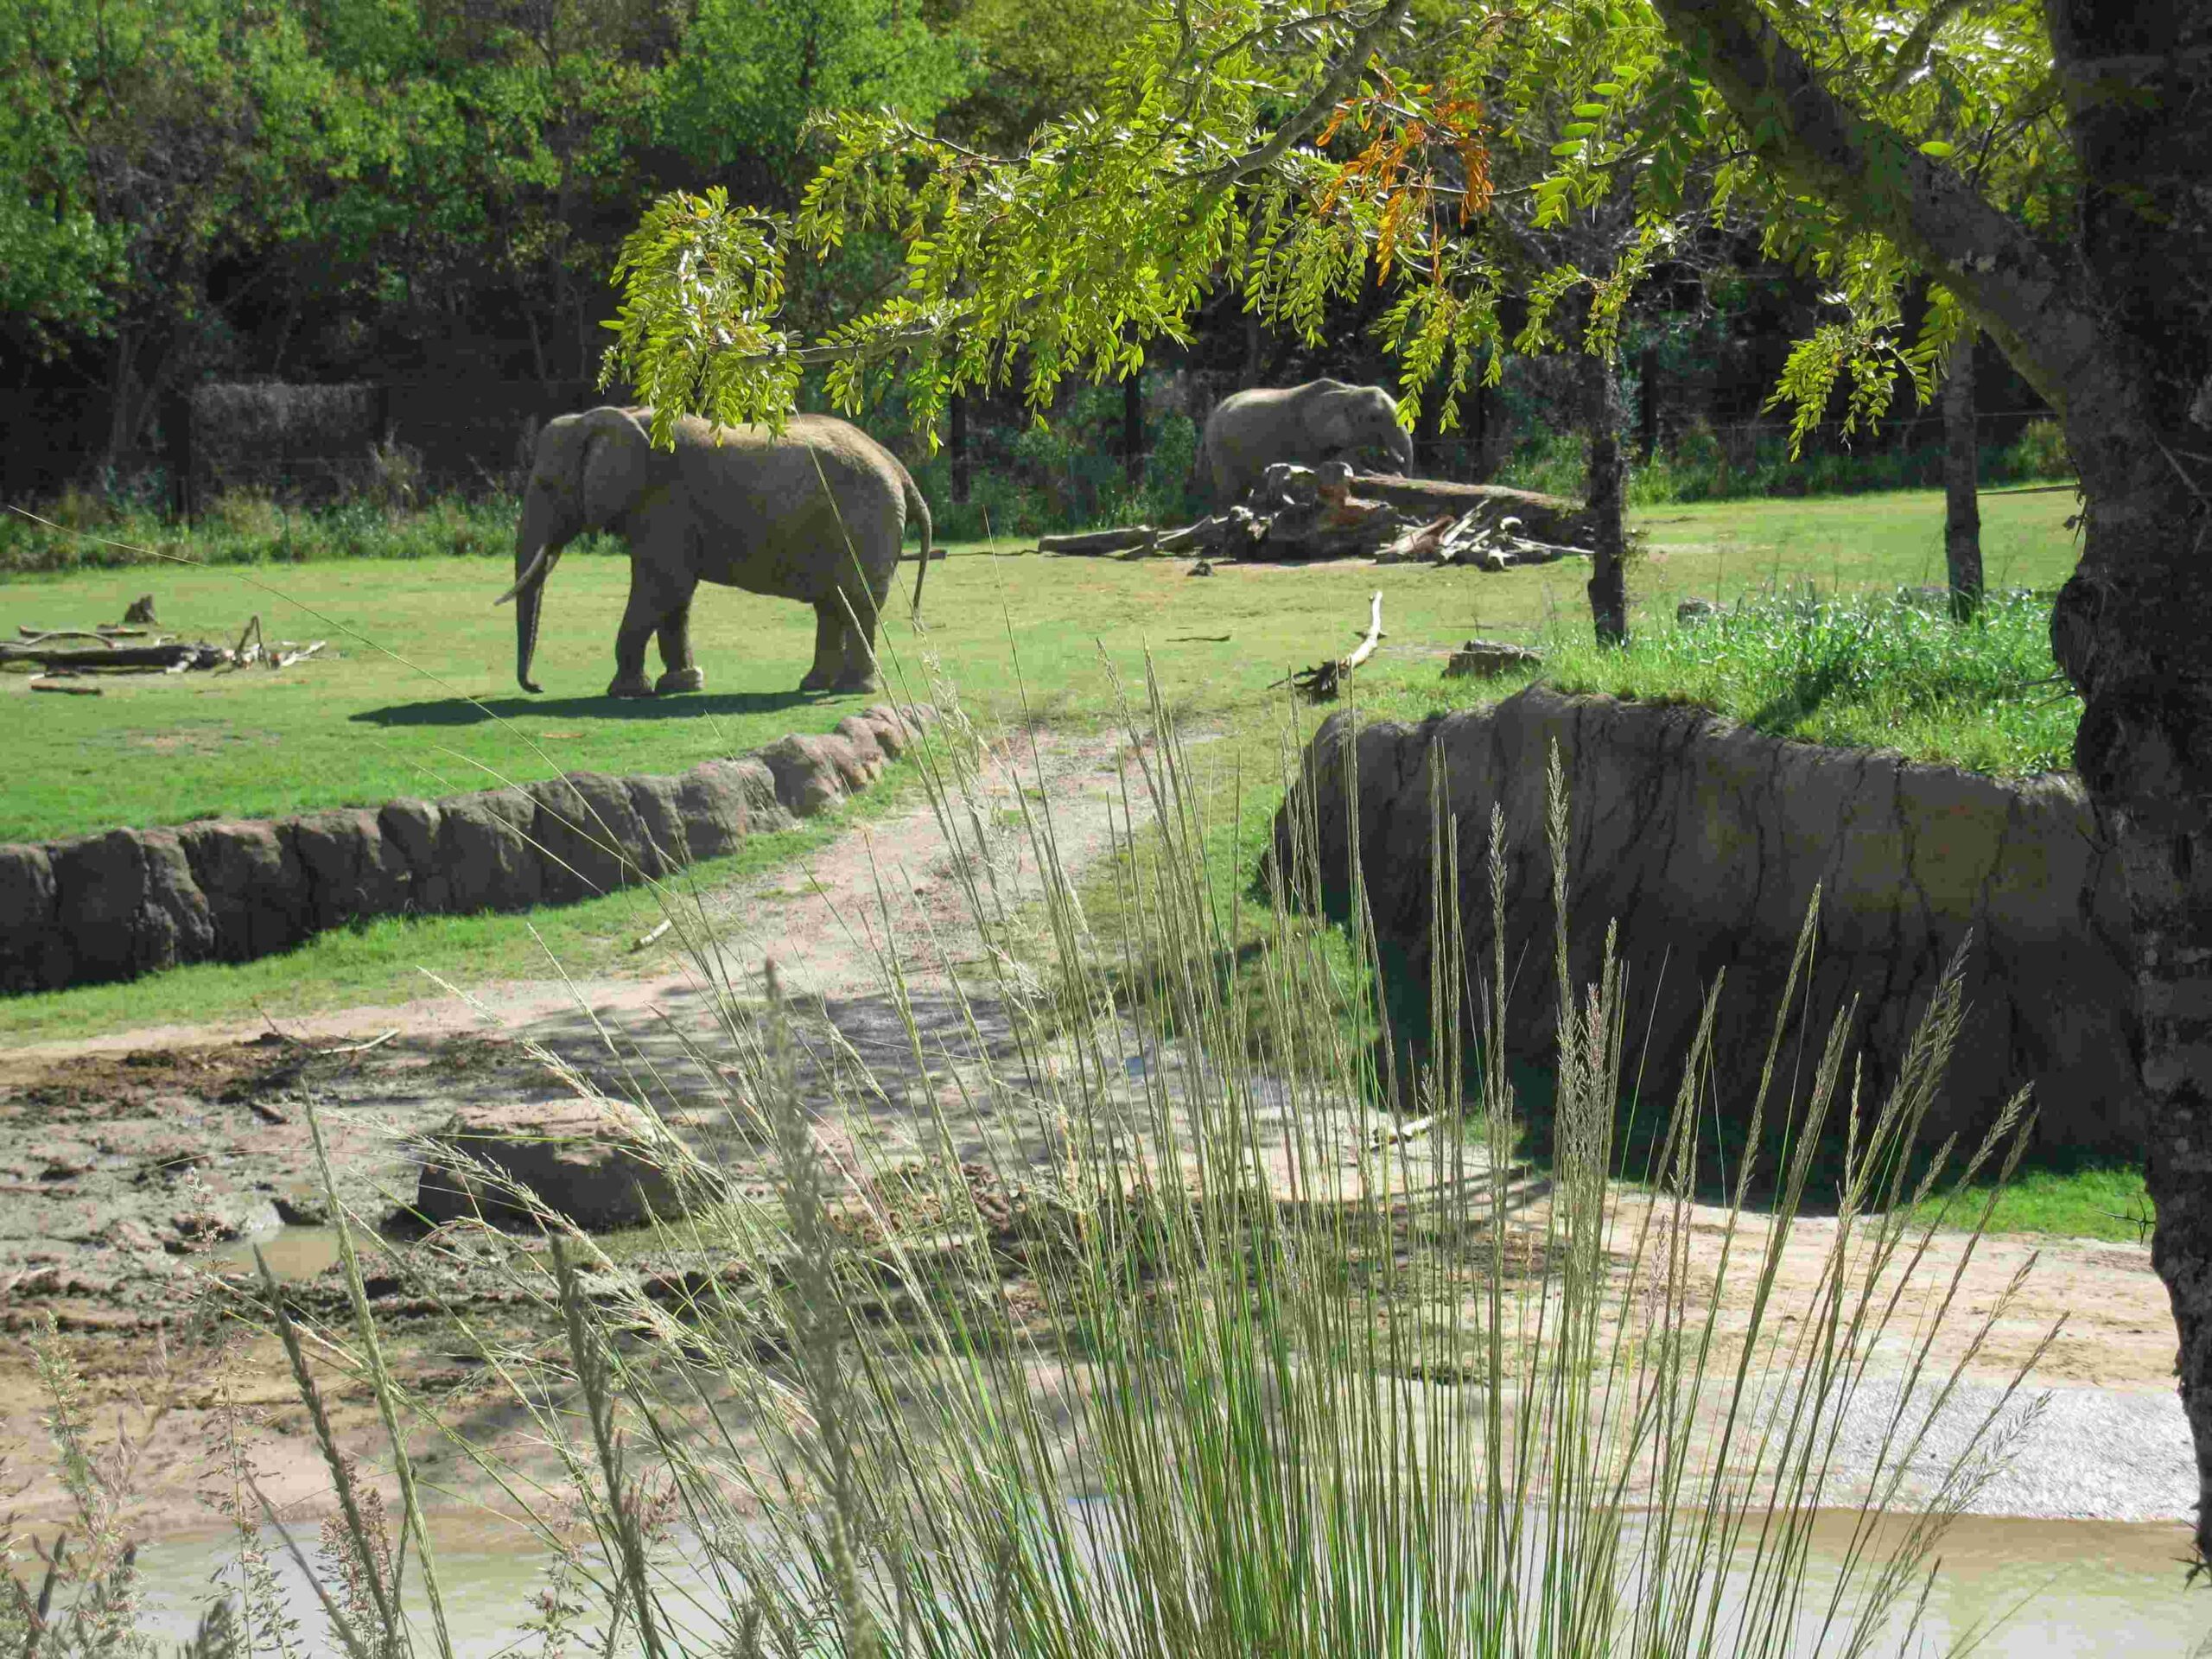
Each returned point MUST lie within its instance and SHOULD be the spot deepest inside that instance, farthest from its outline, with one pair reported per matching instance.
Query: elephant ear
(1330, 424)
(1383, 414)
(607, 470)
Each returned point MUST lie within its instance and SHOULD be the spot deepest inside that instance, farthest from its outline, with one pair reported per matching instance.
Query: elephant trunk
(1401, 450)
(537, 551)
(527, 600)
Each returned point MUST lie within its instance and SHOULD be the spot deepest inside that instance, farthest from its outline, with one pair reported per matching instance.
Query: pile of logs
(61, 657)
(1304, 512)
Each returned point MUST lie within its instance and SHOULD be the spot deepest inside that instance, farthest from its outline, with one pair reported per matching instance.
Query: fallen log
(1095, 541)
(1546, 517)
(39, 636)
(173, 658)
(65, 688)
(1423, 542)
(1325, 680)
(1207, 532)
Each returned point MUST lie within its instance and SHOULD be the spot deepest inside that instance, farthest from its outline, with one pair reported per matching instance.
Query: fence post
(176, 442)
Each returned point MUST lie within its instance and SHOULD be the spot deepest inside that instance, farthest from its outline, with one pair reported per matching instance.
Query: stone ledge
(126, 902)
(1706, 842)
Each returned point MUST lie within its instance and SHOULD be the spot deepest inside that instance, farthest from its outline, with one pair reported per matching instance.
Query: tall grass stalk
(1233, 1361)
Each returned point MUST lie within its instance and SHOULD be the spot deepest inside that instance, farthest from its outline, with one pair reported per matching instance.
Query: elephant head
(1341, 419)
(587, 471)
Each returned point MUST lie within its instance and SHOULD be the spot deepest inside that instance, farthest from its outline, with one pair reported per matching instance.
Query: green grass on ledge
(1854, 671)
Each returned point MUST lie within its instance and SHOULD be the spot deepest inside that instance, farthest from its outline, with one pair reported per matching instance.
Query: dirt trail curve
(129, 1165)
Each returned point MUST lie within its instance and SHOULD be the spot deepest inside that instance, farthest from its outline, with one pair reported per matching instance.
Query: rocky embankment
(1707, 842)
(132, 901)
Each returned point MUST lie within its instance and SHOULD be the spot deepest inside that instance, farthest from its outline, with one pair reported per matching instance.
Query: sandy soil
(136, 1169)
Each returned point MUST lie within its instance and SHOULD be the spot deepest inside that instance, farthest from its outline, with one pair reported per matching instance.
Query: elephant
(817, 514)
(1322, 420)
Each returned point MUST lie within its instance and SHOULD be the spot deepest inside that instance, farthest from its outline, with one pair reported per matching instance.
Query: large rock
(126, 904)
(1707, 842)
(485, 852)
(353, 871)
(255, 887)
(713, 806)
(409, 827)
(662, 846)
(599, 1163)
(809, 771)
(587, 836)
(33, 956)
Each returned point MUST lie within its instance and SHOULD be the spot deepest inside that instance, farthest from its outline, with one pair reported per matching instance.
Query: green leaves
(695, 332)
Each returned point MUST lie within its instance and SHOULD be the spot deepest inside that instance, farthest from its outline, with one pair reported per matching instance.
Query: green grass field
(414, 692)
(419, 697)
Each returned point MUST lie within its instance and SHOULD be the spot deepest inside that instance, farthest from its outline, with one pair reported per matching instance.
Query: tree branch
(1330, 93)
(1827, 149)
(1912, 56)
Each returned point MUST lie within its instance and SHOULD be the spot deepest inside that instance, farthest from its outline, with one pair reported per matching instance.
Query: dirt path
(135, 1168)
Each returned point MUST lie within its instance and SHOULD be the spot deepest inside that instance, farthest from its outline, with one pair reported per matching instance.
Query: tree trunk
(1647, 404)
(1133, 428)
(956, 443)
(2129, 631)
(1478, 430)
(2116, 331)
(1602, 497)
(1962, 477)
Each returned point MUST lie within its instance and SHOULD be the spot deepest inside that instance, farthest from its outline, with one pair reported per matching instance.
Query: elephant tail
(920, 509)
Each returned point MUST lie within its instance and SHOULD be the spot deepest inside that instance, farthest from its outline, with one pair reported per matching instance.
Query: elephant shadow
(471, 711)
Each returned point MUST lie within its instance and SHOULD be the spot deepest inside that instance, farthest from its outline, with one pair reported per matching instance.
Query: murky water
(2082, 1590)
(292, 1253)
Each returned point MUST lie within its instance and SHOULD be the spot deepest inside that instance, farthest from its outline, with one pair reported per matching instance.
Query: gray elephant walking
(1322, 420)
(817, 514)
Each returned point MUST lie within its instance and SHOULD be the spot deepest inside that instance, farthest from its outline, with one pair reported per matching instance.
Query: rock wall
(1706, 842)
(112, 906)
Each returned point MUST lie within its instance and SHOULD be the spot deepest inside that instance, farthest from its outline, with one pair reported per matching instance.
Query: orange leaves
(1393, 173)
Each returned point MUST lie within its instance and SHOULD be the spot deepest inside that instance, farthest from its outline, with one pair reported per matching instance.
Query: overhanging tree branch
(1820, 145)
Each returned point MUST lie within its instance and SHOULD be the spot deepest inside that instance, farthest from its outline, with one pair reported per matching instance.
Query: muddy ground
(136, 1173)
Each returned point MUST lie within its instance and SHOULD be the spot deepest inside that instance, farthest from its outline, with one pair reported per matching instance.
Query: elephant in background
(817, 514)
(1322, 420)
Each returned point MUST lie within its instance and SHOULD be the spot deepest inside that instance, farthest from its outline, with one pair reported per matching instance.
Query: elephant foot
(681, 679)
(858, 682)
(631, 686)
(815, 682)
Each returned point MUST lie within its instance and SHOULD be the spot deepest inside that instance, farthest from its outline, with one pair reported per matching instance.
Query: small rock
(132, 1236)
(303, 1206)
(599, 1163)
(1483, 658)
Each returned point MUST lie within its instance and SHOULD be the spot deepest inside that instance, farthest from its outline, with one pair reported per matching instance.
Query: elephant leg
(829, 646)
(683, 675)
(857, 669)
(655, 595)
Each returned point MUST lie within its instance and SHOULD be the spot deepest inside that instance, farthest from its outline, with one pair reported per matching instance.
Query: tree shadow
(464, 711)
